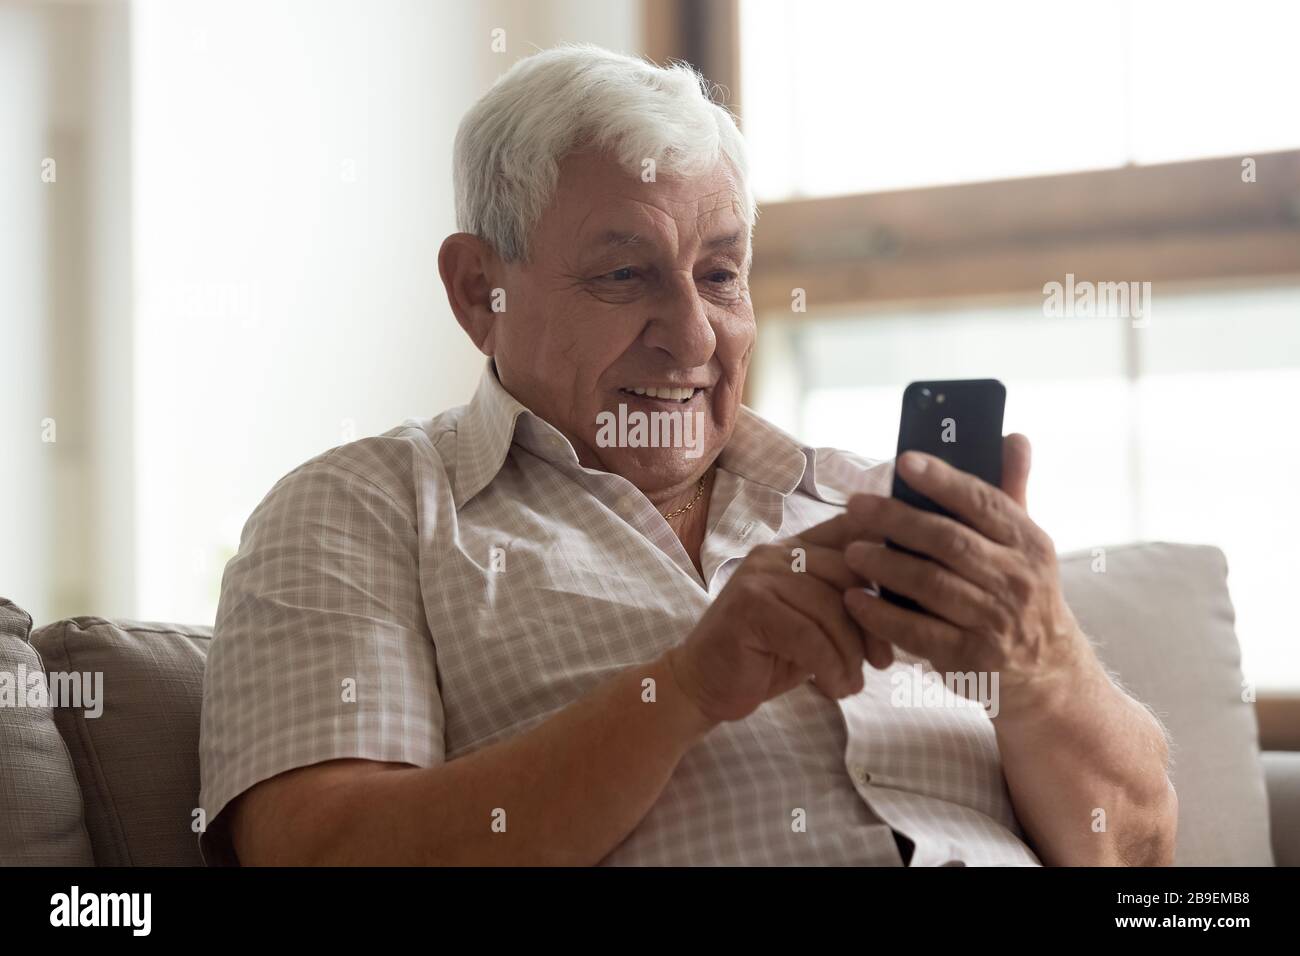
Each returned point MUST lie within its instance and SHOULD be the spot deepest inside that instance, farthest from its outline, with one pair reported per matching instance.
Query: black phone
(958, 421)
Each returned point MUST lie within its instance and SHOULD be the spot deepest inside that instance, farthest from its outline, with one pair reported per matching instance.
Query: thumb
(1015, 467)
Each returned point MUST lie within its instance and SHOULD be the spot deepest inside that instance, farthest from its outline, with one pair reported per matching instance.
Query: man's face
(632, 285)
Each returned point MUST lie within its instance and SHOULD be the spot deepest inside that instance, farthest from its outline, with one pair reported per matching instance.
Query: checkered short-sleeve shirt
(454, 582)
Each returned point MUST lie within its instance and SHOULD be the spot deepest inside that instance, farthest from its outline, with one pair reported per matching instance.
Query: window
(859, 97)
(1177, 431)
(924, 176)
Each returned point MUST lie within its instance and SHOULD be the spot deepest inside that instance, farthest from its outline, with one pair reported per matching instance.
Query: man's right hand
(779, 621)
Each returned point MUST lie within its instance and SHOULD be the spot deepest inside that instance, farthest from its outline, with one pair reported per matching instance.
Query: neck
(690, 525)
(673, 499)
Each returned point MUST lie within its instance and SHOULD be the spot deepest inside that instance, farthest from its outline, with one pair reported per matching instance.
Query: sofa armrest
(1282, 775)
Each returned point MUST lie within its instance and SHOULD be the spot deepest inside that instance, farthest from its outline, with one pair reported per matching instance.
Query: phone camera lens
(923, 399)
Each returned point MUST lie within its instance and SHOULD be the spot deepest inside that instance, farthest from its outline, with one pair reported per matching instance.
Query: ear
(469, 268)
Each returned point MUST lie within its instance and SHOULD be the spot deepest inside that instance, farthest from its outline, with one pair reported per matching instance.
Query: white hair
(511, 142)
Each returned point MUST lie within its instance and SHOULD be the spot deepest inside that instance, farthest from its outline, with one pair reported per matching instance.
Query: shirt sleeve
(321, 649)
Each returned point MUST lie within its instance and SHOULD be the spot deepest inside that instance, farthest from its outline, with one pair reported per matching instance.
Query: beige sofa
(122, 788)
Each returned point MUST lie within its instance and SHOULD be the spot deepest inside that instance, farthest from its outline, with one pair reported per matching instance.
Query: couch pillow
(138, 761)
(1163, 622)
(40, 804)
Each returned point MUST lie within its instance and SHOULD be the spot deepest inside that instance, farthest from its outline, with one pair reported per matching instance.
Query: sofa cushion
(40, 804)
(1163, 622)
(1282, 773)
(138, 762)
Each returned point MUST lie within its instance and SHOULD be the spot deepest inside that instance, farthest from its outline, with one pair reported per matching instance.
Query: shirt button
(749, 526)
(860, 773)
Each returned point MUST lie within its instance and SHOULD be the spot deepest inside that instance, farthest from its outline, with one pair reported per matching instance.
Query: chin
(656, 469)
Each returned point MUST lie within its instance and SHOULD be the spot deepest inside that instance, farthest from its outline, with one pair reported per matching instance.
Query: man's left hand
(992, 588)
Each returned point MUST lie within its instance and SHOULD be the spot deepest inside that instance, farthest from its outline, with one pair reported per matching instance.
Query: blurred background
(219, 224)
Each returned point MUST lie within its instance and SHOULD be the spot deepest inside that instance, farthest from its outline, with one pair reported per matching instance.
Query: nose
(680, 325)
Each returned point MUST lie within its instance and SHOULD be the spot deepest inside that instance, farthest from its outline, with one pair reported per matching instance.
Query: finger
(792, 636)
(788, 676)
(985, 508)
(960, 549)
(825, 564)
(877, 651)
(838, 531)
(821, 604)
(829, 565)
(931, 585)
(1015, 467)
(921, 634)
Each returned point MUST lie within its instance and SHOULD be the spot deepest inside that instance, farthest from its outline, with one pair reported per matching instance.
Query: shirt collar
(760, 452)
(494, 420)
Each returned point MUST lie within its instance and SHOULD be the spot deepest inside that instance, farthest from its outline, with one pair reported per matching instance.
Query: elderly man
(512, 635)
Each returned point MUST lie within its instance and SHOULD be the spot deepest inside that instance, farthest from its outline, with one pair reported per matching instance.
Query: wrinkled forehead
(605, 204)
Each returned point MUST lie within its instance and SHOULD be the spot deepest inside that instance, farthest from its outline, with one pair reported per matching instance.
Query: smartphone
(958, 421)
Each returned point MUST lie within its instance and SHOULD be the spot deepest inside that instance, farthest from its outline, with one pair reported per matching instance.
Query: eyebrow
(730, 241)
(614, 238)
(618, 239)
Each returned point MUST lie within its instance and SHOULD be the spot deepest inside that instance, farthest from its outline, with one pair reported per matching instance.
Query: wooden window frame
(1168, 224)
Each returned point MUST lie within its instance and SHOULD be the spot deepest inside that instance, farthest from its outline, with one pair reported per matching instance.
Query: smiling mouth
(671, 394)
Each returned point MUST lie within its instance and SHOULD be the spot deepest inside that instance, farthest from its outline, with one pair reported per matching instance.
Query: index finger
(839, 532)
(987, 509)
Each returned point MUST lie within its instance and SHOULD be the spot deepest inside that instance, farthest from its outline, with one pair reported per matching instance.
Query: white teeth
(675, 394)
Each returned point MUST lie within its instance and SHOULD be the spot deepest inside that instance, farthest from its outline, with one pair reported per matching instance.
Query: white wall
(65, 320)
(26, 474)
(292, 184)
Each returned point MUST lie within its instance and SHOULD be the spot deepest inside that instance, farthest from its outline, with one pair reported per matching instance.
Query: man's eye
(721, 276)
(621, 275)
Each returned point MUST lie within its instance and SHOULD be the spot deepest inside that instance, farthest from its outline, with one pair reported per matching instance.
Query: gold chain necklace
(699, 493)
